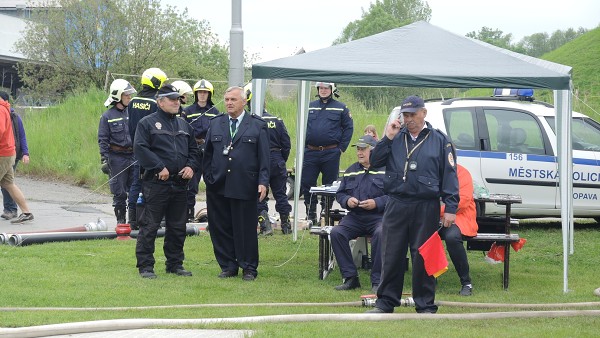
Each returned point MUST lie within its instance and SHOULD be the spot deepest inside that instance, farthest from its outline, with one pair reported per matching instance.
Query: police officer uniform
(362, 184)
(115, 145)
(235, 163)
(140, 106)
(279, 146)
(163, 140)
(328, 134)
(418, 173)
(199, 118)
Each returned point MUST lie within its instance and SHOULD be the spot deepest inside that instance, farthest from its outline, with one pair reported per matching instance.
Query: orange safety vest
(467, 214)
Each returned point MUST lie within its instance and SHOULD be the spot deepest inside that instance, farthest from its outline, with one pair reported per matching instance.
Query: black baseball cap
(411, 104)
(169, 91)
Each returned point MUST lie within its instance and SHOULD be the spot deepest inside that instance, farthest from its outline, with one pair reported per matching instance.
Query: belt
(122, 149)
(200, 141)
(321, 148)
(275, 149)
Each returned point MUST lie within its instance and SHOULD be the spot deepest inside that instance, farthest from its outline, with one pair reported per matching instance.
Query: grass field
(102, 273)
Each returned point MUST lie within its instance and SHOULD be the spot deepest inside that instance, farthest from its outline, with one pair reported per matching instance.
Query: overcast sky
(278, 28)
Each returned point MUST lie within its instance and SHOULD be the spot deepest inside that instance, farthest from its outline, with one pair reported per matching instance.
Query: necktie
(233, 126)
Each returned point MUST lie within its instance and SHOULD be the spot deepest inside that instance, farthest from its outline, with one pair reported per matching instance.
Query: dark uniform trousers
(454, 244)
(350, 227)
(315, 162)
(277, 180)
(121, 178)
(412, 221)
(193, 187)
(162, 200)
(233, 232)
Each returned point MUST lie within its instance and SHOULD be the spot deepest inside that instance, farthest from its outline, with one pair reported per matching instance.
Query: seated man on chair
(466, 225)
(361, 192)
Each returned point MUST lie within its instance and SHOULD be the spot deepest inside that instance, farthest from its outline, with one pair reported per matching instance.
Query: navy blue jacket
(113, 129)
(199, 118)
(435, 174)
(163, 140)
(278, 135)
(237, 174)
(362, 184)
(329, 123)
(140, 106)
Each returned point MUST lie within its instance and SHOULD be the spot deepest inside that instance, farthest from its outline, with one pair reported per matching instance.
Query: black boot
(120, 214)
(350, 283)
(191, 217)
(265, 224)
(131, 214)
(286, 227)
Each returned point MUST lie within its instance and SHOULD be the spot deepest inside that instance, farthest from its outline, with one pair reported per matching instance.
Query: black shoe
(228, 274)
(248, 276)
(180, 272)
(376, 310)
(467, 290)
(148, 274)
(350, 283)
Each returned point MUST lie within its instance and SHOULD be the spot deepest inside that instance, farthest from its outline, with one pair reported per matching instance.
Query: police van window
(460, 124)
(514, 132)
(585, 133)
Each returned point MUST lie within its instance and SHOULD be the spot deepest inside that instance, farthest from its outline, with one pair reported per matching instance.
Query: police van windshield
(586, 133)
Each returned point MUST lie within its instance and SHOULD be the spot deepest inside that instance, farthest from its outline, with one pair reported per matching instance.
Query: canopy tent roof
(418, 55)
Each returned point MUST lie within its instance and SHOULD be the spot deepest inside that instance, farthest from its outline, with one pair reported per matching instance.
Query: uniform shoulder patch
(451, 159)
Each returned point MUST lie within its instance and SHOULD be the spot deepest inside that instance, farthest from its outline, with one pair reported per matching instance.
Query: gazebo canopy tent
(423, 55)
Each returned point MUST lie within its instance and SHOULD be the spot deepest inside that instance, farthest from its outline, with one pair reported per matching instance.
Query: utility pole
(236, 46)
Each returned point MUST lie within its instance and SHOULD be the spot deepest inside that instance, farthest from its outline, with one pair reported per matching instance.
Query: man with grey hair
(236, 172)
(361, 192)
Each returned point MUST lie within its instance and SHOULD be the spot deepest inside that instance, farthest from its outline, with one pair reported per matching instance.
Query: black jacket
(163, 140)
(433, 175)
(237, 174)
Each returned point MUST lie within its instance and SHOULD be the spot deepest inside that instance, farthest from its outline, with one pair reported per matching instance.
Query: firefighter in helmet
(279, 145)
(114, 140)
(140, 106)
(198, 115)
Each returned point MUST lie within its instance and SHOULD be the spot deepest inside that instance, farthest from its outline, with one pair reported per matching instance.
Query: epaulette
(257, 117)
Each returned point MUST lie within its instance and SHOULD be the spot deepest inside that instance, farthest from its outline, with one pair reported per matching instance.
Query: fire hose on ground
(24, 239)
(133, 324)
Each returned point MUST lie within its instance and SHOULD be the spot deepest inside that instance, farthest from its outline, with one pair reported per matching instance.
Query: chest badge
(158, 125)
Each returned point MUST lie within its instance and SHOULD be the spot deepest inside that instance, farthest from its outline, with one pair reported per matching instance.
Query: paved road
(57, 205)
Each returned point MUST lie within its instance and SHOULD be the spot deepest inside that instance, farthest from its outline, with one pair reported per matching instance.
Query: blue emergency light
(524, 93)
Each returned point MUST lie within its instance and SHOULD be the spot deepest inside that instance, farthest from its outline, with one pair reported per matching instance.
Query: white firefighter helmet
(117, 88)
(183, 88)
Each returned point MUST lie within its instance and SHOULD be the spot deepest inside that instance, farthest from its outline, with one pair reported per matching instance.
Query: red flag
(434, 256)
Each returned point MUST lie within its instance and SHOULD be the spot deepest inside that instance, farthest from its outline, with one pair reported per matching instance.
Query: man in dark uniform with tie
(236, 172)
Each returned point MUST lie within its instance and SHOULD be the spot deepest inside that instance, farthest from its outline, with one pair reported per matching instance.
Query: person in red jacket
(466, 225)
(7, 160)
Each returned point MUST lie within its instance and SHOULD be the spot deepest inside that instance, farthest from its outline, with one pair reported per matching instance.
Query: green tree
(384, 15)
(72, 44)
(492, 36)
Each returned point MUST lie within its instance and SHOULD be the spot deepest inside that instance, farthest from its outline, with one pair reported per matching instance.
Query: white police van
(508, 144)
